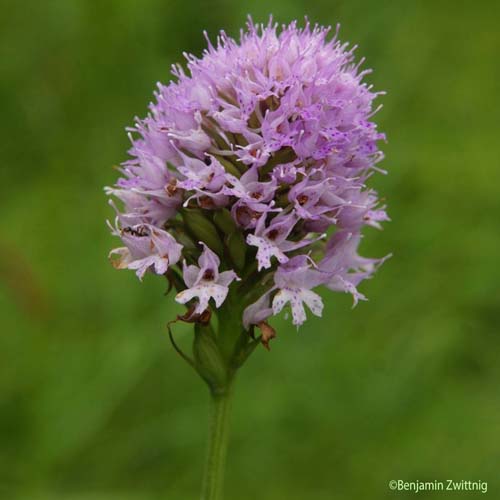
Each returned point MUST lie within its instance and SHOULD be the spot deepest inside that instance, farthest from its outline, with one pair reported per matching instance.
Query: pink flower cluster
(254, 164)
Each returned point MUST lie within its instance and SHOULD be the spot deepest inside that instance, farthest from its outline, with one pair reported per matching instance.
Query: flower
(147, 247)
(255, 162)
(257, 312)
(294, 282)
(343, 268)
(205, 281)
(272, 240)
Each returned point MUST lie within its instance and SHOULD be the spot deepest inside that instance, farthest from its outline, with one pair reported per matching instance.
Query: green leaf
(224, 221)
(237, 248)
(208, 360)
(202, 229)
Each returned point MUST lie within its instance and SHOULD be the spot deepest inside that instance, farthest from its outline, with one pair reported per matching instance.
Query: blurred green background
(95, 405)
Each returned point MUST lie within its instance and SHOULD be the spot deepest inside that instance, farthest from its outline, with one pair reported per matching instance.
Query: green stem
(218, 434)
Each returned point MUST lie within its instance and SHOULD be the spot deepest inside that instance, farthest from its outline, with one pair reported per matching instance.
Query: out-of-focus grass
(96, 406)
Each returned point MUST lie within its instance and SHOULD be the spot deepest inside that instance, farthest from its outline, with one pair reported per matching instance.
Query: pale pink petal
(313, 301)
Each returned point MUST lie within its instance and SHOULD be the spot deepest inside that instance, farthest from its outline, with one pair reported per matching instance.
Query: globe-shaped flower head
(248, 178)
